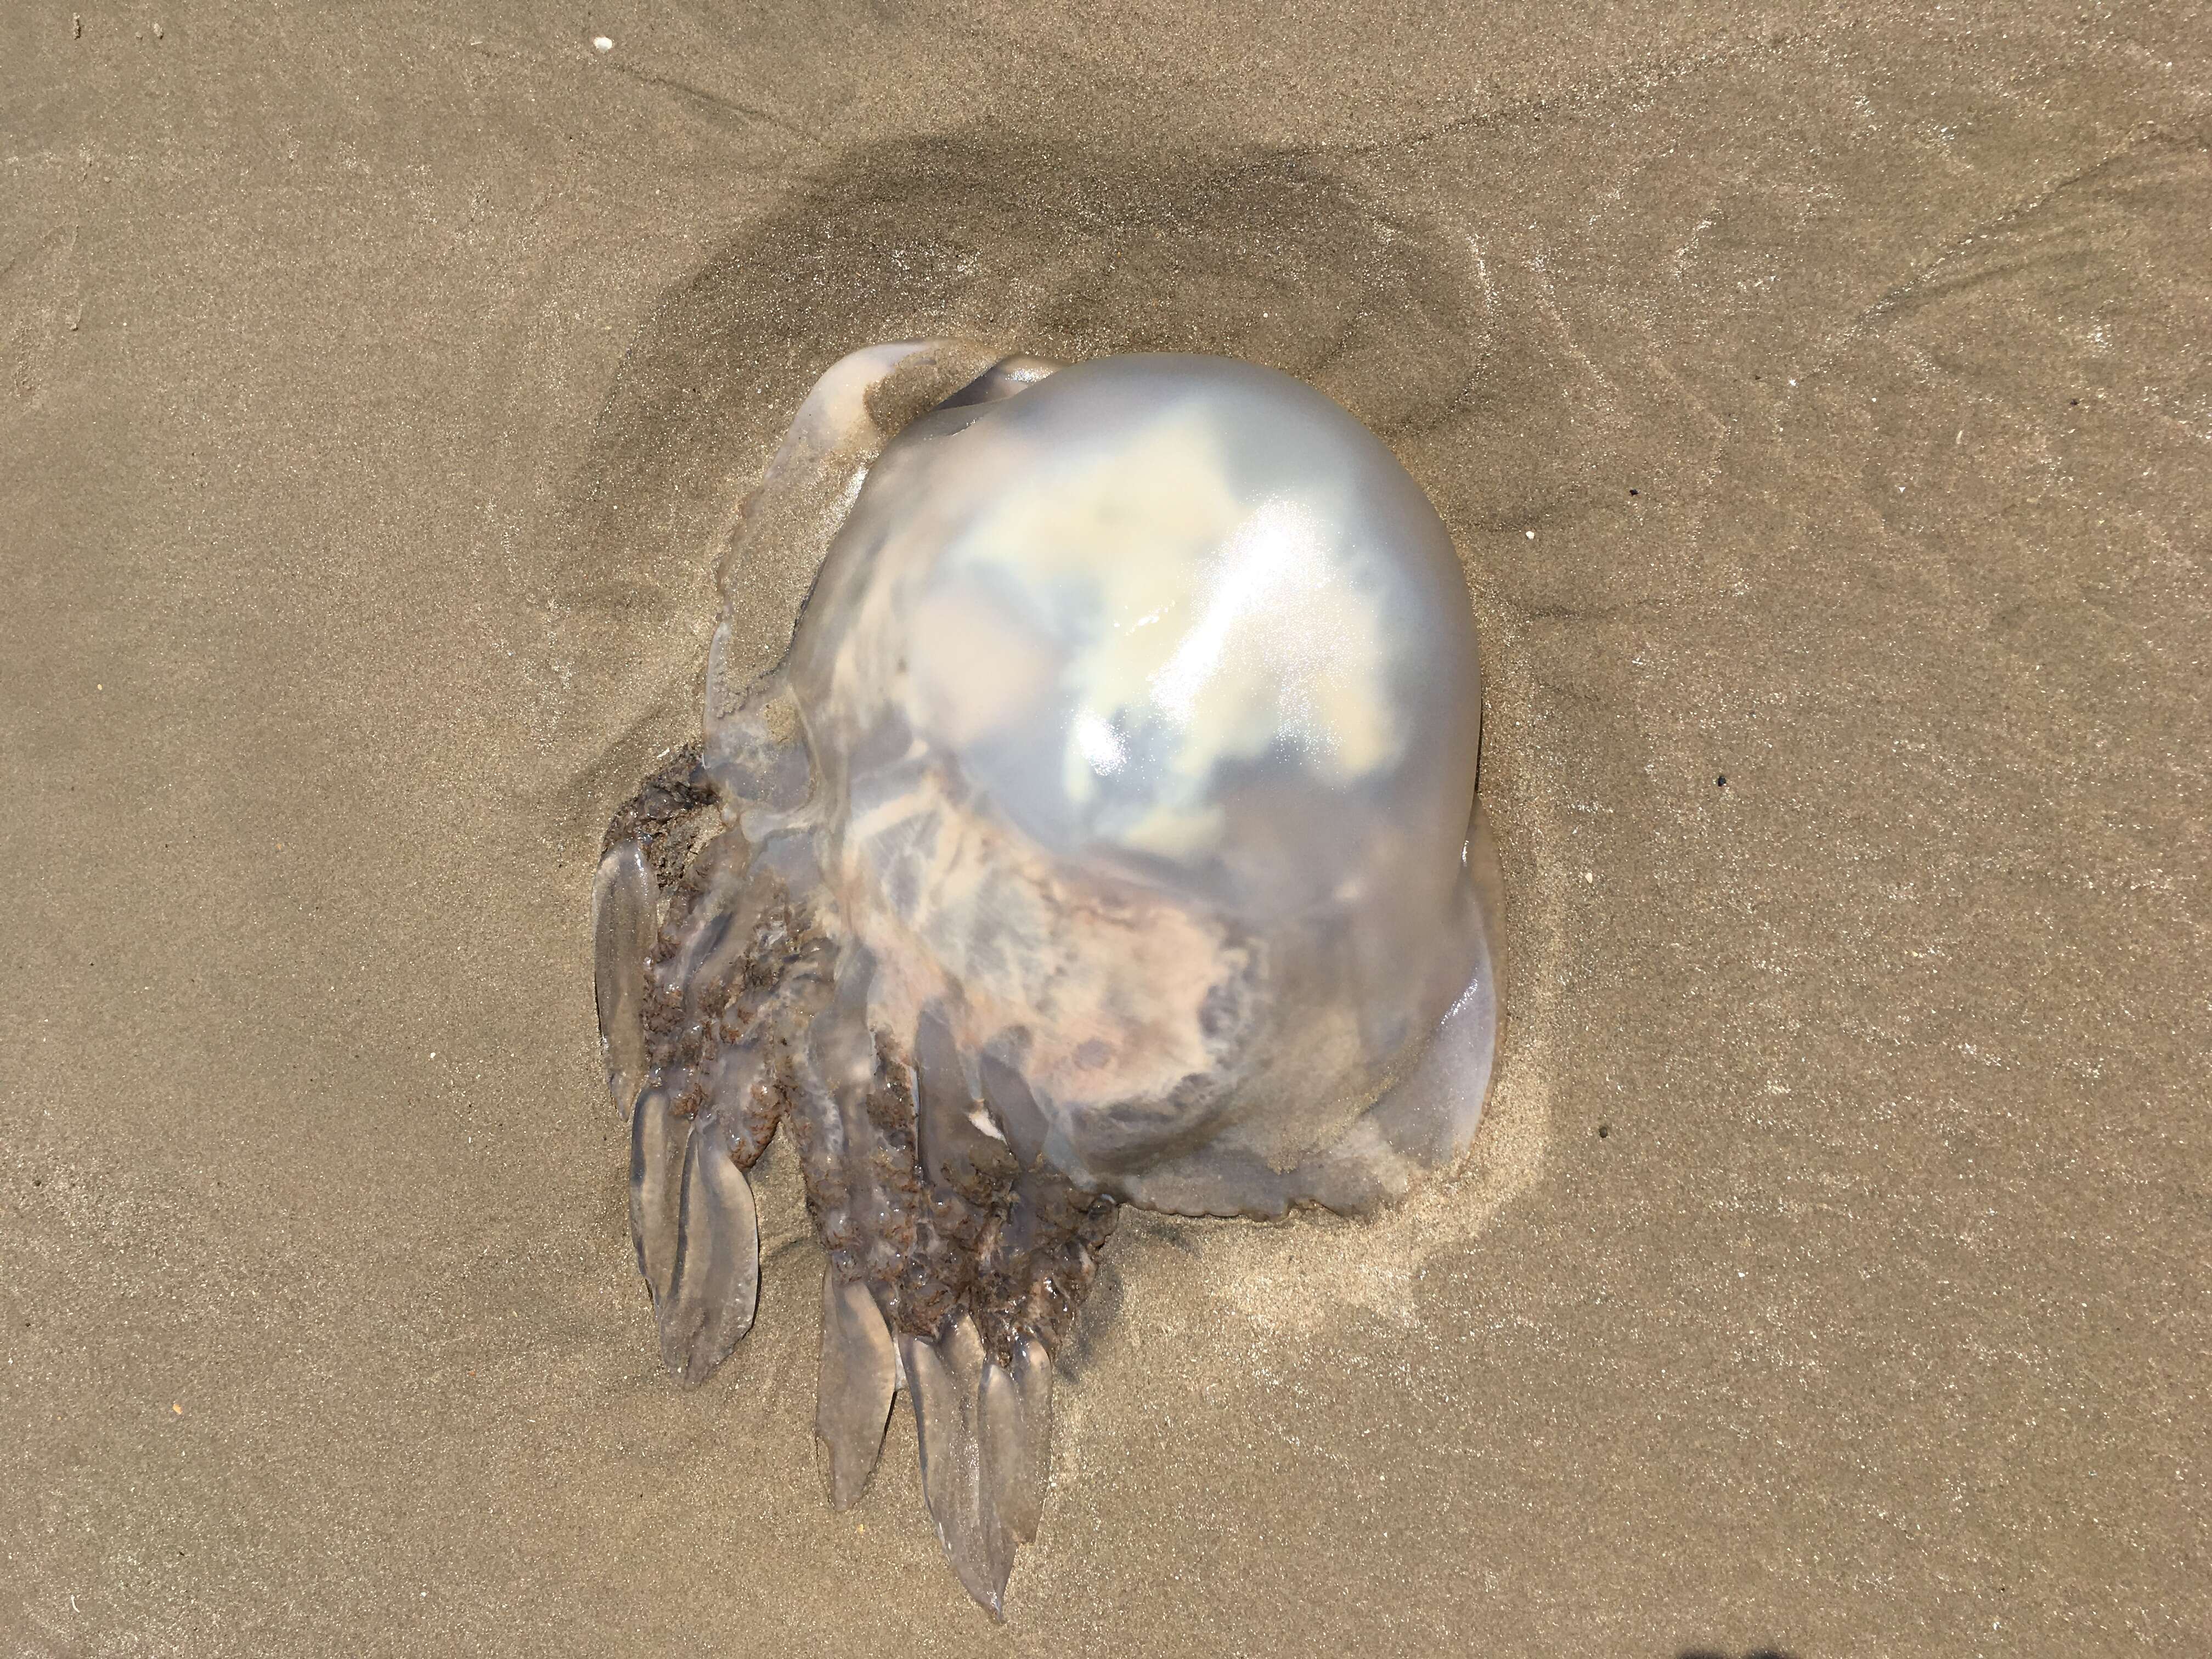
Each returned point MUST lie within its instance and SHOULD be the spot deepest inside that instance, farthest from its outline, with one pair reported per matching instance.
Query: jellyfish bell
(1147, 704)
(1107, 835)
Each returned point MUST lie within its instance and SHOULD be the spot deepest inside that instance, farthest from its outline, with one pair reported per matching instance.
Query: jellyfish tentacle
(954, 1262)
(699, 1011)
(624, 925)
(859, 1375)
(1014, 1421)
(974, 1264)
(692, 1218)
(714, 1279)
(648, 843)
(660, 1142)
(945, 1376)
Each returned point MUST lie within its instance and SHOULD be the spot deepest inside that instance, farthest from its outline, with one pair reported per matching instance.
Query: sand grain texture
(1820, 399)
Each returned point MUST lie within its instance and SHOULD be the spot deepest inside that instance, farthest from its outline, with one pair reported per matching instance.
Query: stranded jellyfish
(1107, 835)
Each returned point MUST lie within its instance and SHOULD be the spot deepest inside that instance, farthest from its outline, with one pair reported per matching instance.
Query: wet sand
(1819, 398)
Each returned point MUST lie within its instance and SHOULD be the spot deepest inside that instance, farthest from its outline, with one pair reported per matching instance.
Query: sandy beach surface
(1820, 396)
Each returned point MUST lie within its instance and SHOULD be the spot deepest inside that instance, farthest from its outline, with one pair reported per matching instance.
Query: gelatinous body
(1107, 835)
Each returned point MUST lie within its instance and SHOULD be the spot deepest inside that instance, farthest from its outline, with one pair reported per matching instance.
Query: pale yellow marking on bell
(1228, 619)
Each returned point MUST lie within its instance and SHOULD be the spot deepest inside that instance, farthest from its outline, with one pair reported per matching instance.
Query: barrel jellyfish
(1106, 836)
